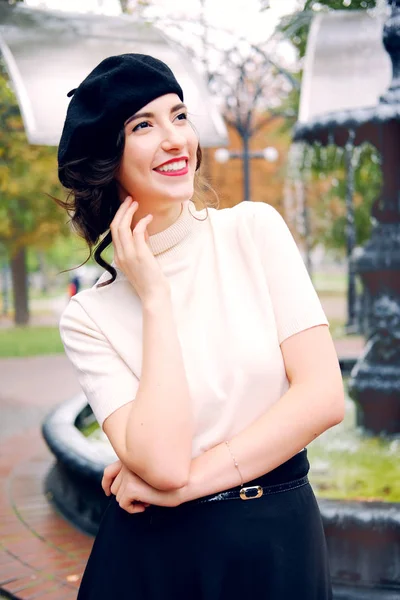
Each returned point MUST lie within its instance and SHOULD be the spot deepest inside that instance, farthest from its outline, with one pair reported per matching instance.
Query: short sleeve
(295, 302)
(105, 378)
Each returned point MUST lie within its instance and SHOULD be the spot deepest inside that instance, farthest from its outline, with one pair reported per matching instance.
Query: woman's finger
(139, 233)
(120, 212)
(122, 494)
(109, 474)
(124, 231)
(106, 483)
(132, 505)
(126, 206)
(116, 484)
(133, 508)
(123, 225)
(140, 227)
(126, 219)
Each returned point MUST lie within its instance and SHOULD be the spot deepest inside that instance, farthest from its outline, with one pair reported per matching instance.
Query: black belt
(251, 492)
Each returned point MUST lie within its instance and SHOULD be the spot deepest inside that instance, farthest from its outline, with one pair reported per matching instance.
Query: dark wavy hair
(93, 200)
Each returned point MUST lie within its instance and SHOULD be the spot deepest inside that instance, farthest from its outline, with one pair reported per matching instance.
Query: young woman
(206, 358)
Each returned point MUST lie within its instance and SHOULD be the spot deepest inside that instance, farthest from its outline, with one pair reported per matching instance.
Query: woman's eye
(182, 117)
(141, 125)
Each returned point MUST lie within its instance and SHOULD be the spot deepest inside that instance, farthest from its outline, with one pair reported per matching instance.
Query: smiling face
(159, 159)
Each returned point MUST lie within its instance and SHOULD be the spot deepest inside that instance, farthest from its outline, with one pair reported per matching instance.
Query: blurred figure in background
(74, 286)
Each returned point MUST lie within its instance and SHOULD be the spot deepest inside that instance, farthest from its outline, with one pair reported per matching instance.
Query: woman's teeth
(174, 166)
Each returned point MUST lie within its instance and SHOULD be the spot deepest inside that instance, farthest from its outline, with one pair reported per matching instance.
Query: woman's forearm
(301, 415)
(160, 424)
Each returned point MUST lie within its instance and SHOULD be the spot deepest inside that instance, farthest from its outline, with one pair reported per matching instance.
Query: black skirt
(273, 547)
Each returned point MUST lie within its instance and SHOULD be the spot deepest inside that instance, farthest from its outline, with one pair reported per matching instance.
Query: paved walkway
(42, 557)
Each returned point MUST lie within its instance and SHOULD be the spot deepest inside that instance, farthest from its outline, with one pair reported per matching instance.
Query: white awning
(346, 65)
(48, 53)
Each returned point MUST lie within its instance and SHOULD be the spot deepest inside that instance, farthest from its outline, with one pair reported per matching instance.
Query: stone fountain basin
(74, 480)
(363, 537)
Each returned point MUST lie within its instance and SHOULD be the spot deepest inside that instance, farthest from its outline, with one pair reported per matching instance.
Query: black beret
(116, 89)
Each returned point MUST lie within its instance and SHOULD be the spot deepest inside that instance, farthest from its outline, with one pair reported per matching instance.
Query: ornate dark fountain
(375, 380)
(364, 538)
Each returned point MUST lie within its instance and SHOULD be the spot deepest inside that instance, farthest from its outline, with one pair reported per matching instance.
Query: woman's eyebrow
(178, 107)
(150, 115)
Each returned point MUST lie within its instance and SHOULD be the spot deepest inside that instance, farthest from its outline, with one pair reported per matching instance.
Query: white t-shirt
(239, 288)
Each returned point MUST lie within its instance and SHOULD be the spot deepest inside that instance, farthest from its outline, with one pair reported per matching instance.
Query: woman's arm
(152, 435)
(313, 403)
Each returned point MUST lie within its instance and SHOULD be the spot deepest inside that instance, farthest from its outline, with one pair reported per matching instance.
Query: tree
(129, 7)
(323, 168)
(28, 217)
(253, 90)
(327, 193)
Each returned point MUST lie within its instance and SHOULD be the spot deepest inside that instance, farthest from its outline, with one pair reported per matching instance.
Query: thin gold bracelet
(235, 462)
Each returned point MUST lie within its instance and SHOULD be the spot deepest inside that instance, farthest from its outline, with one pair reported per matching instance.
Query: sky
(239, 16)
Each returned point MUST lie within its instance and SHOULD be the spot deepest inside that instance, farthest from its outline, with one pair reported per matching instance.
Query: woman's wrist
(210, 473)
(157, 300)
(190, 491)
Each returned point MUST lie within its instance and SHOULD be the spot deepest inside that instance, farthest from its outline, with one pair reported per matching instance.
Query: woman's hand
(109, 474)
(132, 493)
(132, 254)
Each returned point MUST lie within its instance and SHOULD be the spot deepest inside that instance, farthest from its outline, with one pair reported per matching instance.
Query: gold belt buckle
(243, 492)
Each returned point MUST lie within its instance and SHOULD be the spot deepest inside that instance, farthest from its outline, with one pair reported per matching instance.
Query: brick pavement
(42, 557)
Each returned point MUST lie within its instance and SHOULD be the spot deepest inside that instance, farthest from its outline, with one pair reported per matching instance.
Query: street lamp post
(246, 167)
(270, 154)
(251, 86)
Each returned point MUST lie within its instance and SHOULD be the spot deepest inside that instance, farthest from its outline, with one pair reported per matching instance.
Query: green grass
(368, 469)
(348, 464)
(29, 341)
(337, 328)
(54, 293)
(93, 430)
(332, 284)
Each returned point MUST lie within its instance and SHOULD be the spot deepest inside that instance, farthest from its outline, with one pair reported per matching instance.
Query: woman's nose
(173, 138)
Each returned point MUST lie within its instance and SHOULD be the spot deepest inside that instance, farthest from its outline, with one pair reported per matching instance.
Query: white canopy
(48, 53)
(346, 65)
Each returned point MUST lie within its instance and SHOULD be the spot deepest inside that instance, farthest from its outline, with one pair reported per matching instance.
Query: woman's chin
(179, 194)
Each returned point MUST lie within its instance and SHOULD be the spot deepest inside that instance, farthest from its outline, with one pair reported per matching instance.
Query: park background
(37, 245)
